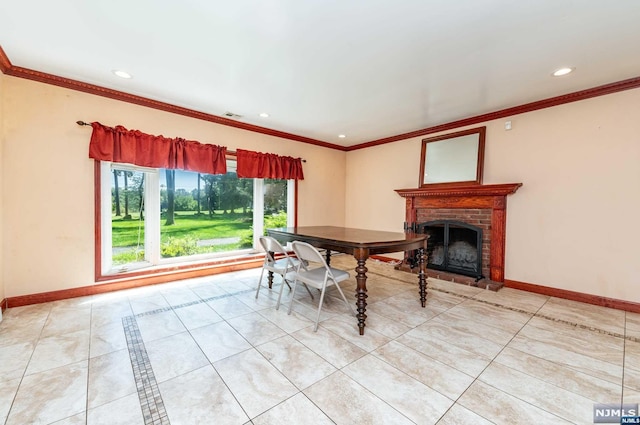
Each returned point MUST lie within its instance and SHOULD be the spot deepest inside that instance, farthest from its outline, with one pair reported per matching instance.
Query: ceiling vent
(232, 115)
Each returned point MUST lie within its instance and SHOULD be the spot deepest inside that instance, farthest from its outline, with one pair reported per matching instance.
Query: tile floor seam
(625, 337)
(314, 403)
(531, 316)
(13, 400)
(393, 366)
(190, 303)
(533, 376)
(151, 403)
(476, 378)
(482, 416)
(35, 345)
(206, 300)
(525, 401)
(536, 314)
(548, 382)
(222, 378)
(455, 403)
(285, 376)
(371, 393)
(236, 397)
(408, 375)
(86, 406)
(318, 354)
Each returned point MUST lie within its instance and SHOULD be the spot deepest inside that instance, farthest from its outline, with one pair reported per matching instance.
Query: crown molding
(631, 83)
(5, 63)
(8, 68)
(16, 71)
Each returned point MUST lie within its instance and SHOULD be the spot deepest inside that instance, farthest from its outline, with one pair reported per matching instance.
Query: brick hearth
(484, 206)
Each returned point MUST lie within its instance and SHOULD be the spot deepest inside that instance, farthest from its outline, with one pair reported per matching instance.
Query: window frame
(153, 263)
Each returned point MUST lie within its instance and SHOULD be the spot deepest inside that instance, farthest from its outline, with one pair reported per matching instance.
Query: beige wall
(578, 163)
(573, 223)
(48, 192)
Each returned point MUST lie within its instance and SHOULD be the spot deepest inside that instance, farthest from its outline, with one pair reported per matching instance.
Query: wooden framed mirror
(455, 159)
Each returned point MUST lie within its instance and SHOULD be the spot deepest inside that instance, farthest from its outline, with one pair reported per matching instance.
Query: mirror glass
(453, 159)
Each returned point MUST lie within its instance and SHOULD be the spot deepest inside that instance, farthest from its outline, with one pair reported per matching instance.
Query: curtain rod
(80, 122)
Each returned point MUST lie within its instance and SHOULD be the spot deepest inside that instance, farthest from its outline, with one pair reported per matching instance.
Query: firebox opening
(454, 246)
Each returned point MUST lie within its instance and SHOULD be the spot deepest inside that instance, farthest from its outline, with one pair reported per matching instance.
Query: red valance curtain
(134, 147)
(268, 166)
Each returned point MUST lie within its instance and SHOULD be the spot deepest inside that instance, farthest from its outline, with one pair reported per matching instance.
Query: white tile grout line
(153, 409)
(151, 401)
(518, 310)
(189, 304)
(467, 297)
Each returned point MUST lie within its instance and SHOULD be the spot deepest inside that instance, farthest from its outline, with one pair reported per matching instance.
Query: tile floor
(205, 351)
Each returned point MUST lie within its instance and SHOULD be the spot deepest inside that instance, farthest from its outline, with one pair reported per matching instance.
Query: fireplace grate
(453, 246)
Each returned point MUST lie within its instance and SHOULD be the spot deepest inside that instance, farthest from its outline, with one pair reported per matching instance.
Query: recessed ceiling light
(264, 115)
(342, 136)
(562, 71)
(122, 74)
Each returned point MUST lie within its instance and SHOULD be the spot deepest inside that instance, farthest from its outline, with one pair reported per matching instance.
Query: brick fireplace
(484, 206)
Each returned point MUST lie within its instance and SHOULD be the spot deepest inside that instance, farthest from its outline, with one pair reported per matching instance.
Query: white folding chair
(319, 278)
(283, 266)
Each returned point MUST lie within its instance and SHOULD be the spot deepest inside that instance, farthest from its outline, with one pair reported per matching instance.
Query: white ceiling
(369, 69)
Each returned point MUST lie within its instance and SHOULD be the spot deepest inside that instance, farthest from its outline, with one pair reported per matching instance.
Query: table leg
(361, 292)
(422, 281)
(270, 274)
(328, 254)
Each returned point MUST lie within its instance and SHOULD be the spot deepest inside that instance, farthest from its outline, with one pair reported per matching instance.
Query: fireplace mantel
(471, 190)
(492, 197)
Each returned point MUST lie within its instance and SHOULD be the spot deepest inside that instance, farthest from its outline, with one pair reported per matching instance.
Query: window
(151, 217)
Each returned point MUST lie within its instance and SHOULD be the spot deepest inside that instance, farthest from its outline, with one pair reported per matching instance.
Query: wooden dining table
(361, 244)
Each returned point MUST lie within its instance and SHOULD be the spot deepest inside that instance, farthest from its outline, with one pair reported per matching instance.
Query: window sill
(184, 270)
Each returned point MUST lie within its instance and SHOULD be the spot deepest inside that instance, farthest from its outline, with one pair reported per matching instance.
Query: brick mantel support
(492, 197)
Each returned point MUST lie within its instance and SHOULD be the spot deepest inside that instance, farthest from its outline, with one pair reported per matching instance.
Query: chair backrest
(272, 247)
(307, 252)
(270, 244)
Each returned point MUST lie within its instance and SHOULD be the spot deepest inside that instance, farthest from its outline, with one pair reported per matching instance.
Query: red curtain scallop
(268, 166)
(117, 144)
